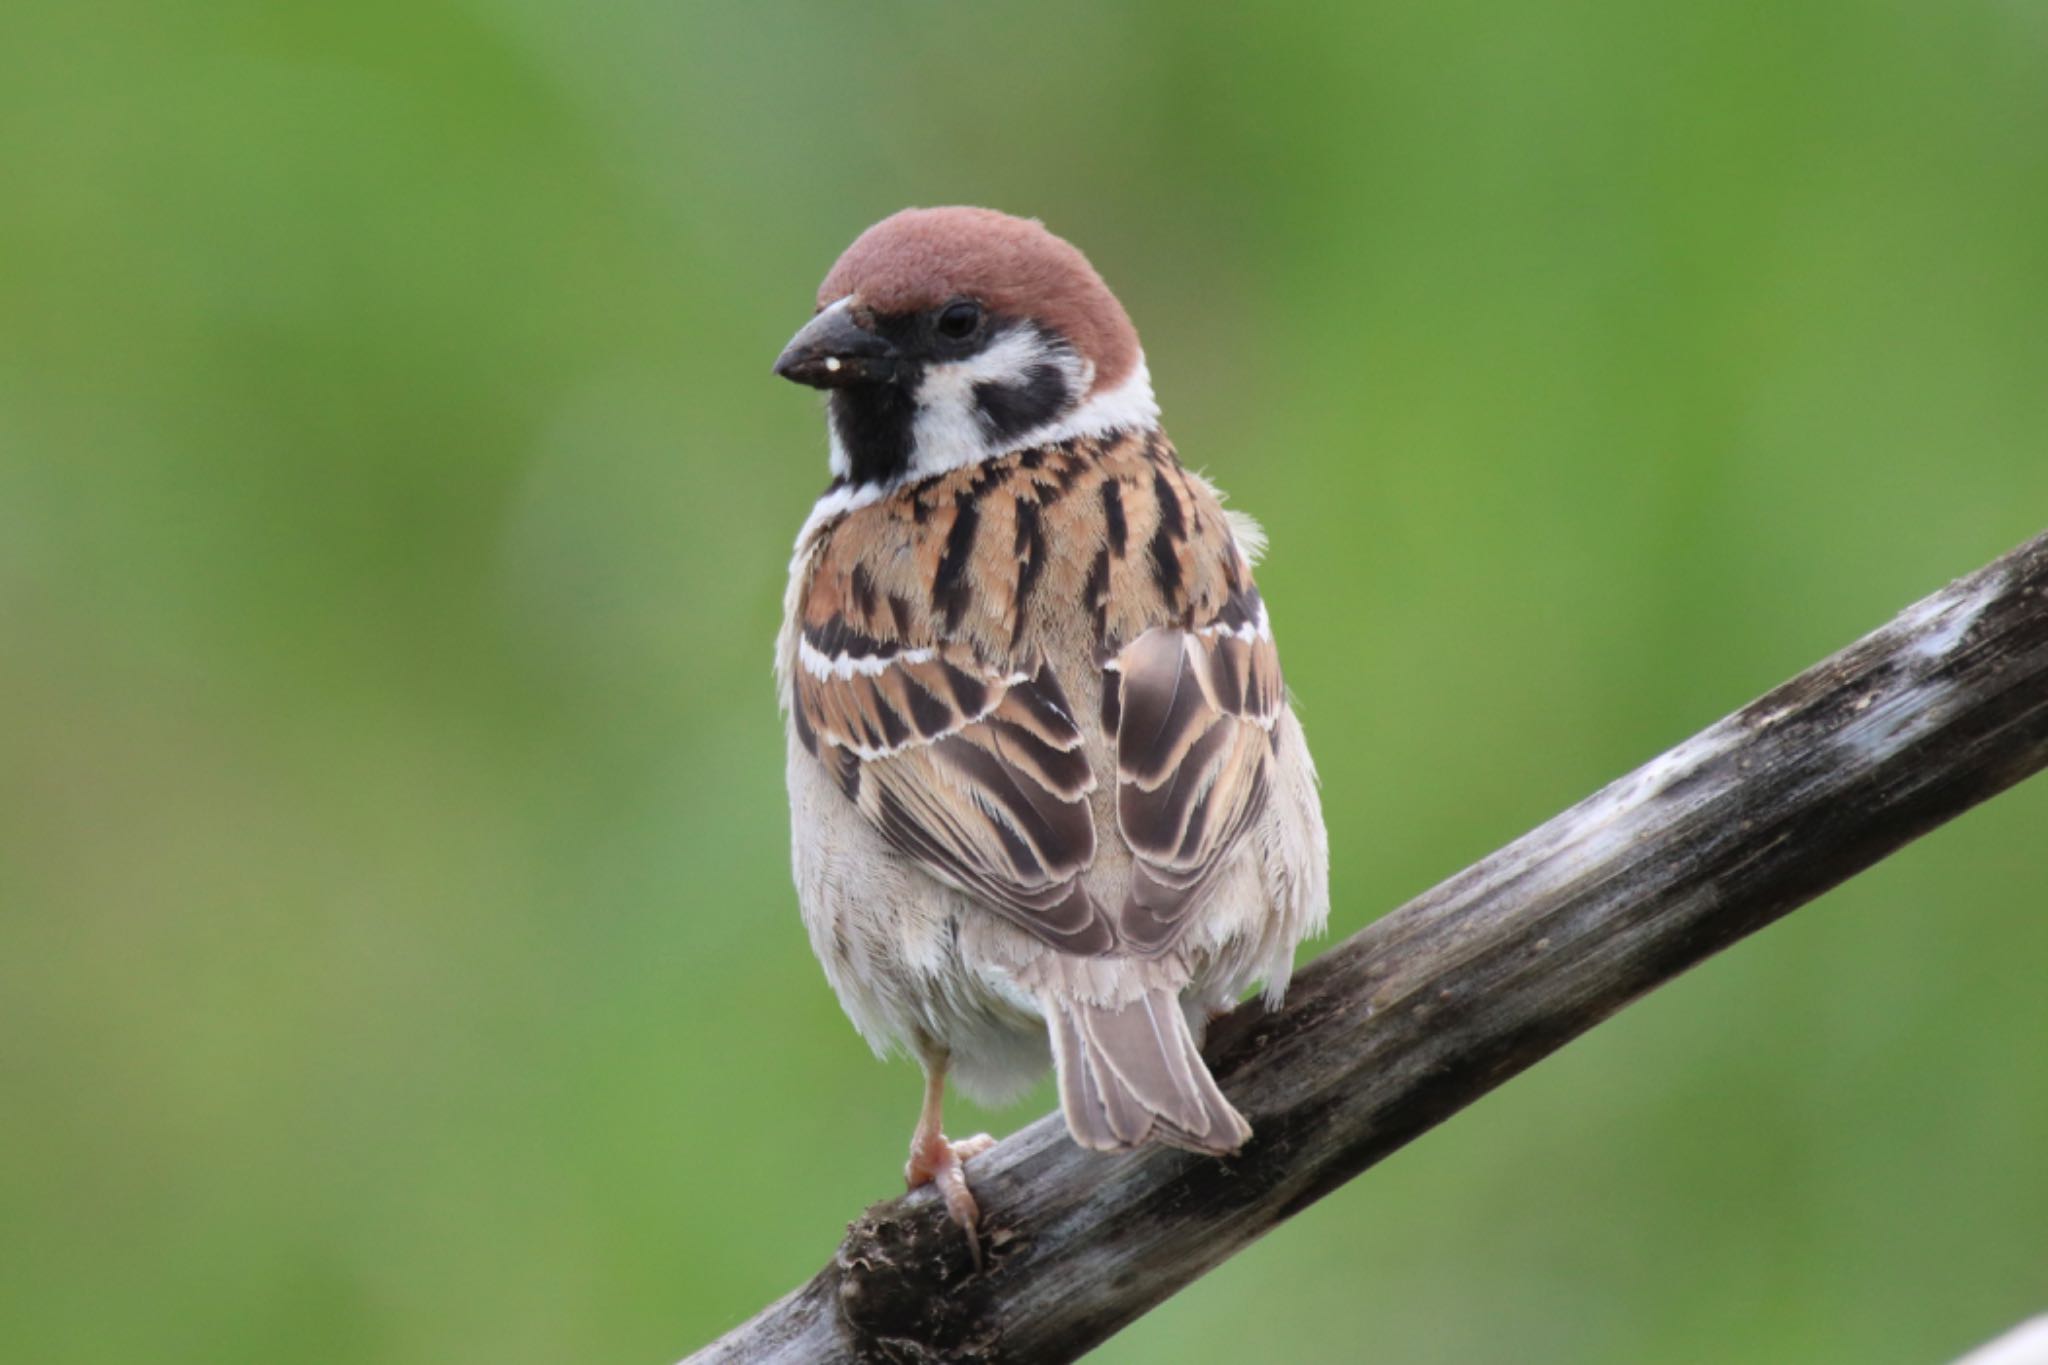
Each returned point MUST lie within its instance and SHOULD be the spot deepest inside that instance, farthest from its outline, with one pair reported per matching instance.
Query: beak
(833, 351)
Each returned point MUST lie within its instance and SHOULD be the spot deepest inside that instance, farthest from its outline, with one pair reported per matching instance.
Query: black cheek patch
(1010, 408)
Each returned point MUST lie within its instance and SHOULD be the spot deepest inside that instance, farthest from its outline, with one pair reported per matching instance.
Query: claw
(936, 1161)
(968, 1148)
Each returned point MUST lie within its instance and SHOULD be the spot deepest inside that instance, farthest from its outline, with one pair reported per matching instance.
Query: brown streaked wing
(1195, 717)
(977, 774)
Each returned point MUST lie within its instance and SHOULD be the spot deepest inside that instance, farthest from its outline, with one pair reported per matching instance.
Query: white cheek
(951, 386)
(948, 433)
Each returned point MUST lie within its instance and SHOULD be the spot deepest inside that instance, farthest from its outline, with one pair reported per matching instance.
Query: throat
(873, 433)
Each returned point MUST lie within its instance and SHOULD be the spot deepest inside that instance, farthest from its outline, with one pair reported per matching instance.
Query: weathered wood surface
(2026, 1344)
(1414, 1017)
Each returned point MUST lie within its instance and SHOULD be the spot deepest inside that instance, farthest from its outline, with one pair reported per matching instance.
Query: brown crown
(920, 258)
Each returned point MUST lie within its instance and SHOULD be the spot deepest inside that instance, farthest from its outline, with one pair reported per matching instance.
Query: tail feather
(1100, 1113)
(1132, 1075)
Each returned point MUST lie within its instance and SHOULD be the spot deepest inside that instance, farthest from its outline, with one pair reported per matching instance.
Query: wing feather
(1195, 716)
(977, 774)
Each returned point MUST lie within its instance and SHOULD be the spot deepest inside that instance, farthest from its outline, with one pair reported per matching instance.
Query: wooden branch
(1419, 1014)
(2026, 1344)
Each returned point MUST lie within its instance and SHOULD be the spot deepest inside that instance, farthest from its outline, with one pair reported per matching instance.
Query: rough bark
(1432, 1006)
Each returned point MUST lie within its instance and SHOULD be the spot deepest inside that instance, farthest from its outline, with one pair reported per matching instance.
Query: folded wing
(1194, 716)
(976, 773)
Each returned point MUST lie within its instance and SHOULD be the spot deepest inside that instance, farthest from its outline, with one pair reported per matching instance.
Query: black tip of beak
(833, 351)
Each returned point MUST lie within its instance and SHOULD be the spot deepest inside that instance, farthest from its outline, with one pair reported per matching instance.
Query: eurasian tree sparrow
(1046, 789)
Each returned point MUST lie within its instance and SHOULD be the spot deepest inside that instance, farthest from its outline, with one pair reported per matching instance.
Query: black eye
(958, 319)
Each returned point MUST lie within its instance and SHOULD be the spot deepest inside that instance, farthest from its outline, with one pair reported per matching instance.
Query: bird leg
(936, 1160)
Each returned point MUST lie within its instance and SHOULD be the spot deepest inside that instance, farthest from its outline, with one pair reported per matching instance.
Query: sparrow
(1048, 795)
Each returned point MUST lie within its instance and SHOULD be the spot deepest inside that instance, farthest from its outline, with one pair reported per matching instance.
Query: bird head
(947, 336)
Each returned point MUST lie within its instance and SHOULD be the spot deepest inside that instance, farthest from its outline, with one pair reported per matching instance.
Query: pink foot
(937, 1161)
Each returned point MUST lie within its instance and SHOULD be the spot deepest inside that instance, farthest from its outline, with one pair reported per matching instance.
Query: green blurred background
(398, 961)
